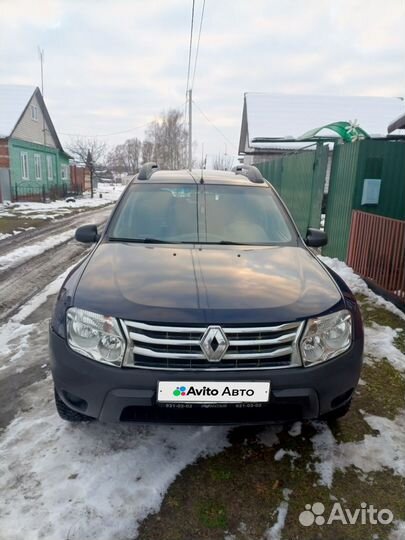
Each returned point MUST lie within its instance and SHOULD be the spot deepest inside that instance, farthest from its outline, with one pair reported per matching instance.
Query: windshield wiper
(139, 240)
(224, 243)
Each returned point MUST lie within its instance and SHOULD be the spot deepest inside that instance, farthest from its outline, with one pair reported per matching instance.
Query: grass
(238, 491)
(10, 224)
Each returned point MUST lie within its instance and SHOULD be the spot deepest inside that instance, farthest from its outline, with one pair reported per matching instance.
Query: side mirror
(316, 238)
(87, 234)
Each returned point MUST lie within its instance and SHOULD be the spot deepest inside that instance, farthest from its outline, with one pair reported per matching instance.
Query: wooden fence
(377, 251)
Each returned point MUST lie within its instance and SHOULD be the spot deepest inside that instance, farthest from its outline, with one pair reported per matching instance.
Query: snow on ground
(379, 343)
(17, 231)
(87, 481)
(274, 533)
(14, 332)
(373, 453)
(53, 209)
(21, 254)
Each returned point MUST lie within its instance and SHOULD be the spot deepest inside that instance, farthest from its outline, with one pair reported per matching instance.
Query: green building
(33, 164)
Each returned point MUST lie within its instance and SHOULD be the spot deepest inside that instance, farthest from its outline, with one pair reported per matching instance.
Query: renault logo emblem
(214, 344)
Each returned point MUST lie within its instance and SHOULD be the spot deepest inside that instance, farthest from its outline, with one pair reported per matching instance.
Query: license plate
(213, 392)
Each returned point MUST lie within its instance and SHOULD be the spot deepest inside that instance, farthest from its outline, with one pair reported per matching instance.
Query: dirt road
(25, 278)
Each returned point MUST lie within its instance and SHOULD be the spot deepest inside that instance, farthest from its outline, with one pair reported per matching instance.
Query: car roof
(191, 177)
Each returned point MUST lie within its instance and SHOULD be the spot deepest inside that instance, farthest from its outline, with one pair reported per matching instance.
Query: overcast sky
(114, 65)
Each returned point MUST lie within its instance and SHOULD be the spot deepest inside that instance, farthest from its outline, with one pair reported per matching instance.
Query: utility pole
(190, 125)
(41, 59)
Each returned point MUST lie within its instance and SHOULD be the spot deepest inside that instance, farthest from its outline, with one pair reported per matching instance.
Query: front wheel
(68, 414)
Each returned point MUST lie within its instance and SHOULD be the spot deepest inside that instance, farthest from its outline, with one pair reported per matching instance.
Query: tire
(68, 414)
(334, 415)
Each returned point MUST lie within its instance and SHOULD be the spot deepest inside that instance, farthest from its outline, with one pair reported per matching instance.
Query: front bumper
(114, 394)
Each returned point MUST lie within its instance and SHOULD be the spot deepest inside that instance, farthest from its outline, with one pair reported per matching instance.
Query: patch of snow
(269, 437)
(387, 450)
(295, 429)
(3, 236)
(274, 533)
(379, 343)
(398, 533)
(278, 456)
(52, 209)
(14, 332)
(21, 254)
(92, 480)
(373, 453)
(14, 341)
(324, 445)
(359, 286)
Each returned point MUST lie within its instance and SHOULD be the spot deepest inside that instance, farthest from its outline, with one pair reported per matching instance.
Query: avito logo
(180, 391)
(206, 391)
(315, 514)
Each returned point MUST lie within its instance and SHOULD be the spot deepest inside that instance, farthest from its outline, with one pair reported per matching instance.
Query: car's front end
(204, 371)
(203, 331)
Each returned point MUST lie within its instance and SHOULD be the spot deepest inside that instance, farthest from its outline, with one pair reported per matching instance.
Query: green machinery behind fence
(299, 179)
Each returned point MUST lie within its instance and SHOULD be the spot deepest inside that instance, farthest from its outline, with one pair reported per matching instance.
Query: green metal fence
(352, 164)
(300, 179)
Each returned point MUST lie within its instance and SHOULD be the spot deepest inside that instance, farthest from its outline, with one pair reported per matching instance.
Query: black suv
(201, 303)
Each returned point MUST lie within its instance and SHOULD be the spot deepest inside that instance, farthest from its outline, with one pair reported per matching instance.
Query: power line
(190, 48)
(215, 127)
(198, 43)
(105, 134)
(190, 45)
(93, 136)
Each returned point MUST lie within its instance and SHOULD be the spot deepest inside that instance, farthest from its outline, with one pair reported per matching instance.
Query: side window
(64, 172)
(37, 165)
(34, 113)
(24, 166)
(49, 166)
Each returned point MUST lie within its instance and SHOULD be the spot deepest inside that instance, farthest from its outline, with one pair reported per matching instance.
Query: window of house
(49, 167)
(34, 113)
(24, 166)
(37, 164)
(64, 172)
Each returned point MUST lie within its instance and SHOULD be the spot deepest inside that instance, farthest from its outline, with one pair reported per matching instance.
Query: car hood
(211, 284)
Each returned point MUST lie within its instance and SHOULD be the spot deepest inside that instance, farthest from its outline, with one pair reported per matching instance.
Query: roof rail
(251, 172)
(147, 169)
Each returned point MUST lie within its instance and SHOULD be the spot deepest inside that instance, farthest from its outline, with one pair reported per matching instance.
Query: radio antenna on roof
(202, 164)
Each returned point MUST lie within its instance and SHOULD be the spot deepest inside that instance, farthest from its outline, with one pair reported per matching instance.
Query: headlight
(326, 337)
(96, 336)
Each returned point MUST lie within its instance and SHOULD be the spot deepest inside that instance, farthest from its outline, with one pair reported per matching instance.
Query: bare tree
(167, 138)
(88, 152)
(147, 151)
(222, 162)
(125, 157)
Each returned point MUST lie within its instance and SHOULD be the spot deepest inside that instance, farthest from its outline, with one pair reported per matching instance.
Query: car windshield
(204, 214)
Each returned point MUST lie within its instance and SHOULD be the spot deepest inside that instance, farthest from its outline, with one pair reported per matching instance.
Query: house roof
(399, 123)
(14, 99)
(285, 118)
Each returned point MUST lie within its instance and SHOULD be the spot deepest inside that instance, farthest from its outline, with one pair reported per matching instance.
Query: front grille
(177, 347)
